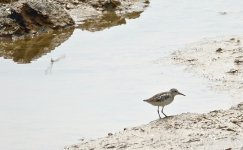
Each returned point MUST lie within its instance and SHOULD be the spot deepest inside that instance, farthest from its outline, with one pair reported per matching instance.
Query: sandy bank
(216, 130)
(220, 60)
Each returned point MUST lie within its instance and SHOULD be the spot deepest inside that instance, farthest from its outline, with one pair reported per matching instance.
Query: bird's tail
(145, 100)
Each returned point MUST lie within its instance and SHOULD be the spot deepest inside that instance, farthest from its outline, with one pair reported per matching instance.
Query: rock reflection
(26, 50)
(107, 20)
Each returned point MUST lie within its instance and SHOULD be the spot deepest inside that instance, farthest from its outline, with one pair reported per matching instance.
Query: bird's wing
(159, 97)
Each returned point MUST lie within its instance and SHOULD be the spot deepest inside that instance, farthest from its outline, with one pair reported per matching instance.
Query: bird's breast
(167, 101)
(162, 102)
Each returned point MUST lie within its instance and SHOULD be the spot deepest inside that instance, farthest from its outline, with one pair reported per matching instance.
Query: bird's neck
(173, 95)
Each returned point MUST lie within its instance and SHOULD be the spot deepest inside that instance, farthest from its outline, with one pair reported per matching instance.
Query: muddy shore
(218, 130)
(220, 60)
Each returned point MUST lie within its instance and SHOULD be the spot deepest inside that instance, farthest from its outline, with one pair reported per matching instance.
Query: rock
(28, 17)
(69, 6)
(75, 2)
(229, 129)
(238, 61)
(105, 5)
(75, 146)
(7, 1)
(8, 26)
(110, 134)
(193, 140)
(122, 9)
(219, 50)
(111, 5)
(191, 60)
(24, 18)
(233, 71)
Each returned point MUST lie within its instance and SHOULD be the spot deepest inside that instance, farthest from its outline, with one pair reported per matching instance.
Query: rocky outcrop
(97, 15)
(8, 26)
(28, 17)
(7, 1)
(103, 5)
(32, 17)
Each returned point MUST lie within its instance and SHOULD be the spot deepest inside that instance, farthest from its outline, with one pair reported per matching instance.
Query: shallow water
(101, 78)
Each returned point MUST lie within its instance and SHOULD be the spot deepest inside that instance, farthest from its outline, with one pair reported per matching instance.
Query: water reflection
(107, 20)
(49, 68)
(27, 50)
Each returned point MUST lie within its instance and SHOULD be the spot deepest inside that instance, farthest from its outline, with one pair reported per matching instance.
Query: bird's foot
(168, 116)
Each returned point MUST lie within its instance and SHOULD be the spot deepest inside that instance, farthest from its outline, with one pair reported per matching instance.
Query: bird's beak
(181, 94)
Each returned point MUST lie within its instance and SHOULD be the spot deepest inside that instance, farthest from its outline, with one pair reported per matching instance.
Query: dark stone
(219, 50)
(8, 1)
(32, 17)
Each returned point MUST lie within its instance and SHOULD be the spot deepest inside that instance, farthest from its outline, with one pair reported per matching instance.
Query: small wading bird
(163, 99)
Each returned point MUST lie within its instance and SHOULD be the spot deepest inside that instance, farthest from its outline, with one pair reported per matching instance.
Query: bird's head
(176, 92)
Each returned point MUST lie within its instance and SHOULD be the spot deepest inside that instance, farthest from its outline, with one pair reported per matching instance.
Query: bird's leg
(159, 113)
(163, 112)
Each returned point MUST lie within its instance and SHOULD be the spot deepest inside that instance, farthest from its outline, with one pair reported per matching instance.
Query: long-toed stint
(163, 99)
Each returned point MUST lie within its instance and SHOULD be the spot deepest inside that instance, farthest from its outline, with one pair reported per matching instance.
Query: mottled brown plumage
(163, 99)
